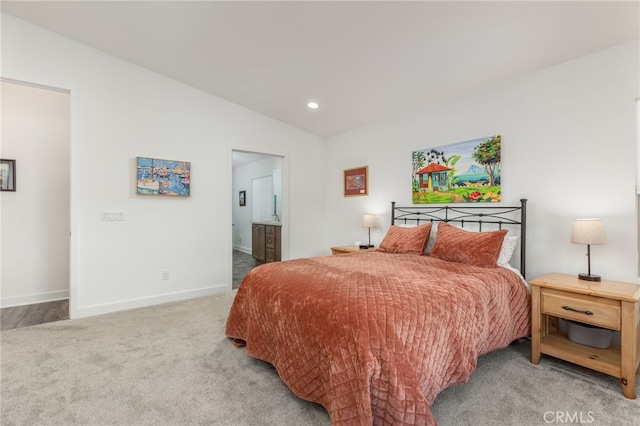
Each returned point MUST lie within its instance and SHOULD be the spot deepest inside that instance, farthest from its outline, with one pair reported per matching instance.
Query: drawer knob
(569, 308)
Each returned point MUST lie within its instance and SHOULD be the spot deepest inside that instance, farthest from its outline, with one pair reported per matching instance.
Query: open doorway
(36, 215)
(257, 188)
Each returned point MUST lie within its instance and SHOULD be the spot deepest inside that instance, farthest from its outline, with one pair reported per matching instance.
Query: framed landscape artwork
(356, 181)
(7, 175)
(464, 172)
(163, 177)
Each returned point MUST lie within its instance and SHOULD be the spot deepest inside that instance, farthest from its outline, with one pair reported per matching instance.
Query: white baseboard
(106, 308)
(30, 299)
(242, 249)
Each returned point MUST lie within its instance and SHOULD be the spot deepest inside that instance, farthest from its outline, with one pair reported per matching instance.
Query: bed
(375, 336)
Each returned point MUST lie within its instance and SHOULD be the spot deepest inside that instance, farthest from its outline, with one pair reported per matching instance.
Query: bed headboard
(477, 216)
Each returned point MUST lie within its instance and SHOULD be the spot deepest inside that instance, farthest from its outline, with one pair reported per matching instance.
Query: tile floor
(38, 313)
(242, 263)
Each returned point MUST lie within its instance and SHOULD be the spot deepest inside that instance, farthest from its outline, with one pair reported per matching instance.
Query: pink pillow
(473, 248)
(406, 240)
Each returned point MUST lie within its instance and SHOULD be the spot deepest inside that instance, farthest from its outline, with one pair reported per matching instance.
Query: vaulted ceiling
(360, 61)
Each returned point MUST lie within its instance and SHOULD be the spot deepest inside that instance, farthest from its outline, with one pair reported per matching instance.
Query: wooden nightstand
(349, 249)
(609, 304)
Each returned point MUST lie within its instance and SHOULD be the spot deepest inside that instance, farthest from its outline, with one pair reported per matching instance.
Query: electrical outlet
(165, 274)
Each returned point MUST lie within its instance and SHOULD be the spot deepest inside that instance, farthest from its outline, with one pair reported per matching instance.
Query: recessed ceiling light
(313, 105)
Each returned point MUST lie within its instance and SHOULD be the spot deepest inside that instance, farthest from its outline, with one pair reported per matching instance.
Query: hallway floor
(242, 264)
(38, 313)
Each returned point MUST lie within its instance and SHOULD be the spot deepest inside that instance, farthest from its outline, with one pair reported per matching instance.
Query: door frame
(284, 217)
(73, 150)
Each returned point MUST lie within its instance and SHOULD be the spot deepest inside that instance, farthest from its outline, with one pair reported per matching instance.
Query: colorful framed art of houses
(463, 172)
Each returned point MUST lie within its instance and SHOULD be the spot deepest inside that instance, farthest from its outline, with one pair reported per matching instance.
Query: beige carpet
(171, 365)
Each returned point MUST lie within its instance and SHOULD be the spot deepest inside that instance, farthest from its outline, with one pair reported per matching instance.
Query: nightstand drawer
(583, 308)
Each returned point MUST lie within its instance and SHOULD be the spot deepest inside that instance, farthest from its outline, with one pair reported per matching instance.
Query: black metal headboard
(496, 217)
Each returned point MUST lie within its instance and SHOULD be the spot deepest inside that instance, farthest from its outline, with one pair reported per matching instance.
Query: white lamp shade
(588, 231)
(369, 221)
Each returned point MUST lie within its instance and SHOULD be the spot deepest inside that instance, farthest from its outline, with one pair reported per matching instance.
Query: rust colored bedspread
(374, 337)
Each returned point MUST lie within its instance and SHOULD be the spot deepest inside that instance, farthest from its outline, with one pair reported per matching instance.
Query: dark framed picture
(7, 175)
(243, 198)
(356, 181)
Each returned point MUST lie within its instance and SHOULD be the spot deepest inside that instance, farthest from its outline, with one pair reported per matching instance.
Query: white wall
(120, 111)
(567, 146)
(35, 218)
(242, 216)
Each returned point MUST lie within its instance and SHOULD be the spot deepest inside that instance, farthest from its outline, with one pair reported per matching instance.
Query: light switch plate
(112, 215)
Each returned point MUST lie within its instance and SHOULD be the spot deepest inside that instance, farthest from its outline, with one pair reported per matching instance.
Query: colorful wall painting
(356, 181)
(463, 172)
(163, 177)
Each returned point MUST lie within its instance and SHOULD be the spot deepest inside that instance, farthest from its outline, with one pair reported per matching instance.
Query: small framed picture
(356, 181)
(7, 175)
(243, 198)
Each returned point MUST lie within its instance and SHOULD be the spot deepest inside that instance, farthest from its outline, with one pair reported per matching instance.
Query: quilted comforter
(374, 337)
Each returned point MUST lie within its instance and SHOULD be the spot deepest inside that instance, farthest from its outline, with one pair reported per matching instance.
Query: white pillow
(506, 251)
(432, 238)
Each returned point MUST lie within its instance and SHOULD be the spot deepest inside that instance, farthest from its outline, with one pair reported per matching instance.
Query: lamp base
(589, 277)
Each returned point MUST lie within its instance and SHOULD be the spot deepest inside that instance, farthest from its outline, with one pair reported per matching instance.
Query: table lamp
(369, 221)
(588, 231)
